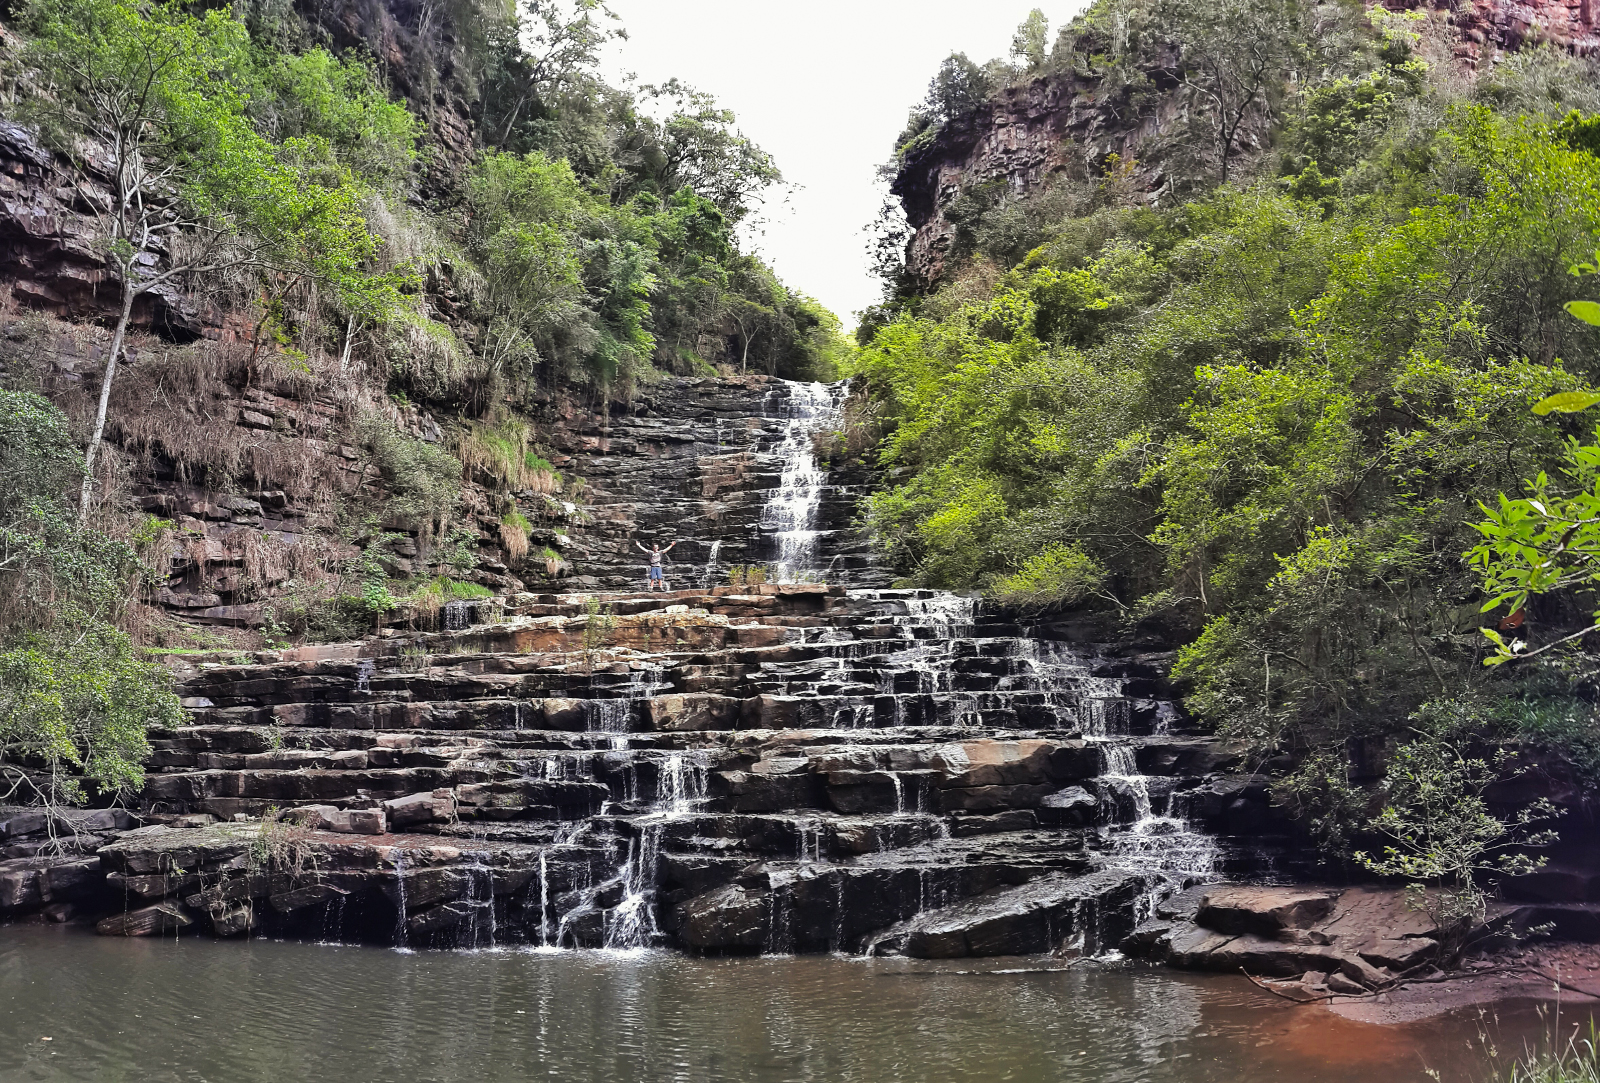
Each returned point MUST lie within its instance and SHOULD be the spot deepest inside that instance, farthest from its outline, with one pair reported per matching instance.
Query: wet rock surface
(821, 764)
(794, 767)
(782, 768)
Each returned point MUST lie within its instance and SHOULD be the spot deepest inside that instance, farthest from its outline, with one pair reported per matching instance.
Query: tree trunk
(86, 497)
(349, 337)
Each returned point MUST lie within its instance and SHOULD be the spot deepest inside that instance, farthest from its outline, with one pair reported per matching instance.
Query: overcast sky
(824, 86)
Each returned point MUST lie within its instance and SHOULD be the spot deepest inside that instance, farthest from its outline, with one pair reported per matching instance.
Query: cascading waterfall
(791, 511)
(680, 790)
(709, 578)
(888, 686)
(456, 616)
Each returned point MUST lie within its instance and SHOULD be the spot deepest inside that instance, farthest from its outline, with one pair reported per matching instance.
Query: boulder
(232, 920)
(1040, 916)
(21, 886)
(1071, 807)
(1338, 983)
(731, 918)
(1203, 949)
(1264, 910)
(341, 821)
(146, 921)
(989, 763)
(435, 807)
(1359, 970)
(1399, 954)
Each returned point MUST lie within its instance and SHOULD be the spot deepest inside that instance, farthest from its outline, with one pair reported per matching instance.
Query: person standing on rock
(657, 575)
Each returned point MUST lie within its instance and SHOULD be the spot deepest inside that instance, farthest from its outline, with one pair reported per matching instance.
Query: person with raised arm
(657, 574)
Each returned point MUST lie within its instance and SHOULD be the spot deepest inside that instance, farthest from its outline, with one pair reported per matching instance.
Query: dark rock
(146, 921)
(1266, 911)
(438, 806)
(1338, 983)
(1041, 916)
(729, 918)
(1071, 807)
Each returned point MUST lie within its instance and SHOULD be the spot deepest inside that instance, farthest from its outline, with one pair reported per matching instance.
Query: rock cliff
(1070, 124)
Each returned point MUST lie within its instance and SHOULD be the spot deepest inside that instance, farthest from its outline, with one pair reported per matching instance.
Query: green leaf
(1587, 311)
(1567, 402)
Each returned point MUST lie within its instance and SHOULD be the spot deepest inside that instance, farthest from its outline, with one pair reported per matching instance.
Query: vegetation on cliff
(384, 220)
(1264, 416)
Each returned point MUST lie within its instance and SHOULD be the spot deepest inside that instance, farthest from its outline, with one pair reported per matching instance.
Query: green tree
(538, 58)
(959, 88)
(193, 189)
(1234, 57)
(1439, 828)
(75, 702)
(698, 146)
(1549, 540)
(1030, 44)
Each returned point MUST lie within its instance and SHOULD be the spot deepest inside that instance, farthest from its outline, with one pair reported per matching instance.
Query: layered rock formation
(686, 460)
(805, 766)
(798, 768)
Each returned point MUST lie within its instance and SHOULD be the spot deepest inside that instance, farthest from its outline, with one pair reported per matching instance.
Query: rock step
(1055, 913)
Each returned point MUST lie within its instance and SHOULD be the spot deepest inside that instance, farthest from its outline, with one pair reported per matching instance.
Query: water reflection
(196, 1011)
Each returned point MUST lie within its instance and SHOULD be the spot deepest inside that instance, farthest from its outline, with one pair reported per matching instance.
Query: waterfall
(400, 932)
(457, 616)
(878, 747)
(544, 898)
(1156, 843)
(791, 510)
(709, 579)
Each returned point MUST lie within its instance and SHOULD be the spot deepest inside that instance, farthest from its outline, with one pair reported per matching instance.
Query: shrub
(424, 480)
(1059, 575)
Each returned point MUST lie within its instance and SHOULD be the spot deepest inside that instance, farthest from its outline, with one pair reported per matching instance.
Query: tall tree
(1030, 44)
(535, 58)
(1233, 61)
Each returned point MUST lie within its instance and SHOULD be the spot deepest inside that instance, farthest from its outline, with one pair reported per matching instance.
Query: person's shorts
(655, 571)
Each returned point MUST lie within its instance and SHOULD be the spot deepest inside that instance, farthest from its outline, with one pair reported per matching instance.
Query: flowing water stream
(791, 510)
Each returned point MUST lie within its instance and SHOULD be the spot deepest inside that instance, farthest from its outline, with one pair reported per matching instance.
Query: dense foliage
(595, 240)
(1263, 418)
(75, 702)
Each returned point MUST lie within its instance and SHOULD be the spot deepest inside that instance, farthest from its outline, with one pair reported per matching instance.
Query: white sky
(824, 86)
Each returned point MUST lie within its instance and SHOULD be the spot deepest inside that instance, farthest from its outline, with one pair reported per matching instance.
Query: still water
(197, 1011)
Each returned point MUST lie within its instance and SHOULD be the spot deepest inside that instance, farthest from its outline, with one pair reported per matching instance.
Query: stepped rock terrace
(779, 768)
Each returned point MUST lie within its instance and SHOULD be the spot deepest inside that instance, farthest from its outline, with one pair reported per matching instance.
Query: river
(194, 1011)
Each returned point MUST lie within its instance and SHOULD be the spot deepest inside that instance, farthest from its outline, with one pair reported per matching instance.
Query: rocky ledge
(769, 768)
(1314, 943)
